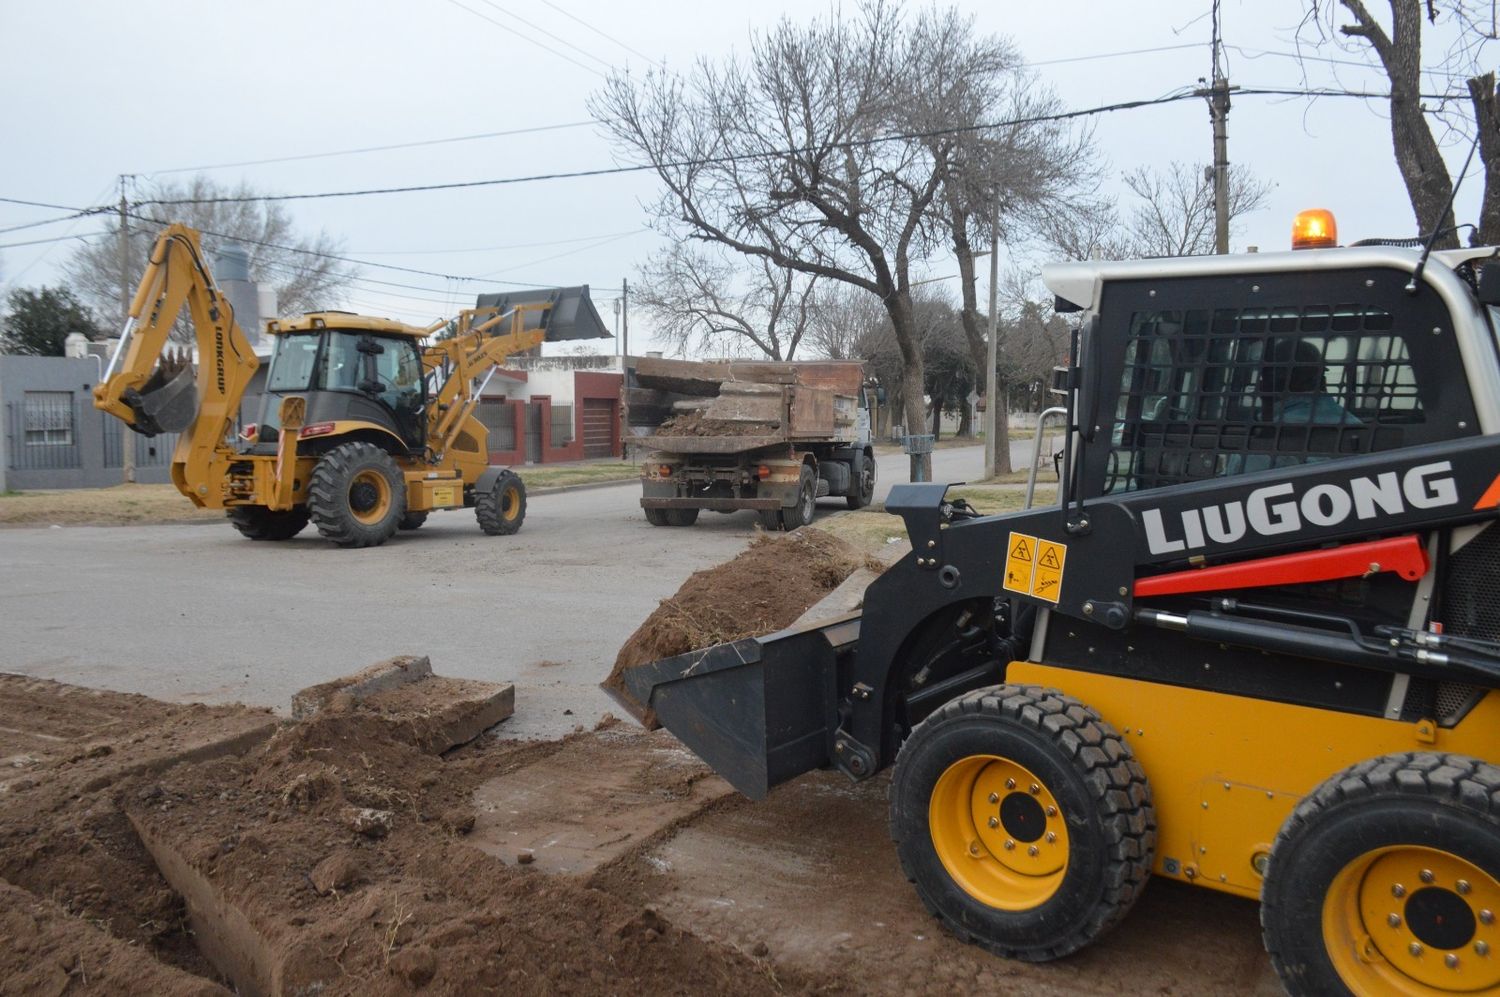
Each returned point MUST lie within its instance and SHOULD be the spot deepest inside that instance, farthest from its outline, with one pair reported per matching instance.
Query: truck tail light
(665, 470)
(317, 429)
(763, 472)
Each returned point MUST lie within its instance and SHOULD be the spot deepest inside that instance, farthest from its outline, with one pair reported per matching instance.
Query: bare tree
(1174, 213)
(789, 156)
(304, 270)
(1397, 51)
(699, 299)
(1088, 229)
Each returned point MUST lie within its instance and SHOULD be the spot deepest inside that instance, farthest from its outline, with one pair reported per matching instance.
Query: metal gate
(598, 427)
(534, 433)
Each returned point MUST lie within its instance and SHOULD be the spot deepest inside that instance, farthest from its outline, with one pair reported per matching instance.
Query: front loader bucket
(759, 711)
(167, 402)
(572, 315)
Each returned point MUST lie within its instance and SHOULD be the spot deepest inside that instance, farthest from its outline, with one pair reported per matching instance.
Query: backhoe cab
(1255, 646)
(366, 425)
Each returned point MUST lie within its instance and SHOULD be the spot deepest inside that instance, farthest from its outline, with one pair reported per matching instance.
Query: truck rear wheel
(656, 517)
(807, 500)
(681, 517)
(260, 523)
(357, 495)
(1023, 820)
(502, 509)
(1383, 880)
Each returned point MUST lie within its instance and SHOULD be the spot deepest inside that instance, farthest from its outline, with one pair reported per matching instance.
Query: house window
(49, 418)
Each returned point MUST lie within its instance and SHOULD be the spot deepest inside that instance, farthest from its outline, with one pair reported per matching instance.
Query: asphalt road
(196, 613)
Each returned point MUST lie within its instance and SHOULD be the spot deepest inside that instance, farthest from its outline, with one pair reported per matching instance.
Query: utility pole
(625, 319)
(1218, 113)
(127, 436)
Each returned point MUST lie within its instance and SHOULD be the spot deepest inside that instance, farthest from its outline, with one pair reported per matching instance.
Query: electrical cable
(601, 34)
(533, 41)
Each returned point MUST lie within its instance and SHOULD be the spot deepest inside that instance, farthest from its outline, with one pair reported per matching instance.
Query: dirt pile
(696, 424)
(765, 588)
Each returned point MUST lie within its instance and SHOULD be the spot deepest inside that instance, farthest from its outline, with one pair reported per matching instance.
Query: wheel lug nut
(1450, 960)
(994, 822)
(1486, 917)
(1415, 948)
(994, 797)
(1031, 851)
(1481, 947)
(1398, 891)
(973, 848)
(1394, 920)
(1010, 784)
(1051, 837)
(1009, 845)
(1426, 876)
(1051, 811)
(1035, 789)
(1463, 887)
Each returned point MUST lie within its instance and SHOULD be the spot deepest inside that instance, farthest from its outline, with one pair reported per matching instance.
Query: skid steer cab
(1254, 647)
(367, 425)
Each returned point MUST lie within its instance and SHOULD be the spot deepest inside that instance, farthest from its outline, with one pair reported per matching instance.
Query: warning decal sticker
(1020, 561)
(1046, 580)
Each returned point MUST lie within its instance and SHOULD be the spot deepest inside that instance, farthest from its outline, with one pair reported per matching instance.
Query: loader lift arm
(483, 339)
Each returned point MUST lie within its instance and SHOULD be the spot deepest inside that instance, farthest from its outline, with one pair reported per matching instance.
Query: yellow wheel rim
(510, 504)
(369, 496)
(999, 832)
(1413, 920)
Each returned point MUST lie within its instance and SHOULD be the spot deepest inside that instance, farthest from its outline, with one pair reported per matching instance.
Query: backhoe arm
(478, 347)
(152, 392)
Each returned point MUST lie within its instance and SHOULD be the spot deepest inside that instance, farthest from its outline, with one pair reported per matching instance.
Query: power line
(601, 34)
(537, 27)
(492, 249)
(52, 221)
(565, 58)
(38, 204)
(375, 148)
(1110, 55)
(55, 238)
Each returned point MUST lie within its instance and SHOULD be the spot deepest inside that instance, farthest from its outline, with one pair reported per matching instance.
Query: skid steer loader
(366, 426)
(1254, 647)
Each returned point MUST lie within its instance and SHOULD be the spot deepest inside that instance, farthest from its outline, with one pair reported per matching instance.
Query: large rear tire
(681, 517)
(656, 517)
(260, 523)
(807, 501)
(357, 495)
(502, 509)
(1384, 880)
(863, 484)
(1023, 820)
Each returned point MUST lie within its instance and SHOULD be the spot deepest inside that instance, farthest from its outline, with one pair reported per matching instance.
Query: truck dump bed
(688, 406)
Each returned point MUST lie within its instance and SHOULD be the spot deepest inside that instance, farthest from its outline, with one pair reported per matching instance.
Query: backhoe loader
(364, 430)
(1254, 646)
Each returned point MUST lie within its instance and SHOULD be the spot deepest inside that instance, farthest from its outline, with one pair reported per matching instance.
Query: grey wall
(97, 437)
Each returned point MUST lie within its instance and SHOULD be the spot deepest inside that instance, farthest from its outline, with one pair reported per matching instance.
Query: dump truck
(1254, 647)
(773, 436)
(367, 425)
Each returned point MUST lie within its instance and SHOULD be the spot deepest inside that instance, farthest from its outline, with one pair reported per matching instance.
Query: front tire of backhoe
(502, 509)
(1023, 820)
(257, 522)
(357, 495)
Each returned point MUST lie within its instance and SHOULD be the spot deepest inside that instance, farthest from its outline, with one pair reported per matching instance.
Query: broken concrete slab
(156, 750)
(443, 713)
(595, 800)
(382, 676)
(63, 953)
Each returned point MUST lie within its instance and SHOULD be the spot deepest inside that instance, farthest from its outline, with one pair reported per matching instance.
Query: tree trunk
(973, 335)
(937, 419)
(1487, 120)
(966, 419)
(898, 306)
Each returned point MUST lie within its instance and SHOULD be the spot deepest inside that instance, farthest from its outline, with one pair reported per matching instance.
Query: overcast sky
(97, 88)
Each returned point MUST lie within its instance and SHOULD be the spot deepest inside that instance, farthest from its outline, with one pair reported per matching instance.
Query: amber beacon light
(1315, 229)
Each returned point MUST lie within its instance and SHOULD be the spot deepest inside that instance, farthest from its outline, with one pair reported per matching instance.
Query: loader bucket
(572, 316)
(759, 711)
(167, 402)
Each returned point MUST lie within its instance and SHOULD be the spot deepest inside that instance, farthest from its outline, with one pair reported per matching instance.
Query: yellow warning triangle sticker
(1021, 552)
(1049, 558)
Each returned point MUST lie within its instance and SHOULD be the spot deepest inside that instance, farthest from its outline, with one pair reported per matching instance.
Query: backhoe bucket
(167, 402)
(572, 316)
(759, 711)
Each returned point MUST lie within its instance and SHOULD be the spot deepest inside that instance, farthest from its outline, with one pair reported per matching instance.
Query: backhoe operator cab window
(385, 367)
(1211, 389)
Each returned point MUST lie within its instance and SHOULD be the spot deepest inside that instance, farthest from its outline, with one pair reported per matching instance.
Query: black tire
(863, 483)
(502, 509)
(656, 517)
(357, 495)
(259, 523)
(1396, 832)
(807, 499)
(681, 517)
(412, 521)
(770, 519)
(1063, 778)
